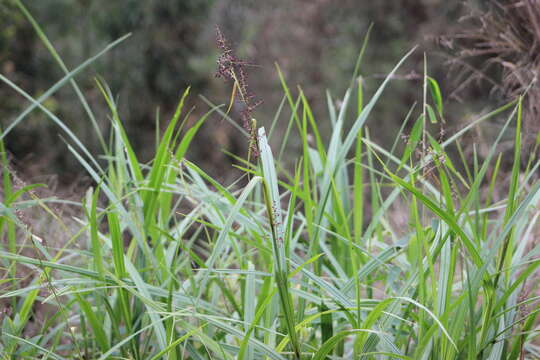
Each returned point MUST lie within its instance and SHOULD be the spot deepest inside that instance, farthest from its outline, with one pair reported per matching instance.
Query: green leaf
(436, 94)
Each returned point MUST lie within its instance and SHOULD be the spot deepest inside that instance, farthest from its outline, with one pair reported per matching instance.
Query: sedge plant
(297, 263)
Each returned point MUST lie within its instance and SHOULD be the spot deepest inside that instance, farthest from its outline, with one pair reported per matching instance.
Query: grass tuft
(357, 252)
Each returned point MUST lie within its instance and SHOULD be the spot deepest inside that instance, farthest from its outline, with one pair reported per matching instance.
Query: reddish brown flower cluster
(231, 68)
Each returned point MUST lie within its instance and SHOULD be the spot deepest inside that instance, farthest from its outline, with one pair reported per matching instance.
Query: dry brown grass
(499, 45)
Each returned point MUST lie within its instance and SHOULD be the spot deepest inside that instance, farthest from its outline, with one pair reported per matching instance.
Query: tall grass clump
(360, 251)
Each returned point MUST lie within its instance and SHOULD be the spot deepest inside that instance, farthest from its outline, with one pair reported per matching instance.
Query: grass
(165, 262)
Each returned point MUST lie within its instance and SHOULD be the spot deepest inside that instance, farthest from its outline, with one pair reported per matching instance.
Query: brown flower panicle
(232, 68)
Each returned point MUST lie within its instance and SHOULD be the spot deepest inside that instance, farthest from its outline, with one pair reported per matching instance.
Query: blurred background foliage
(315, 42)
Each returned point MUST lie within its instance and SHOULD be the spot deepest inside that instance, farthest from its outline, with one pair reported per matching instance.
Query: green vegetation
(358, 252)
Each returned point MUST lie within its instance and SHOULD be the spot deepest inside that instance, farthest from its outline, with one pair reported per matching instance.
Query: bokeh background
(172, 46)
